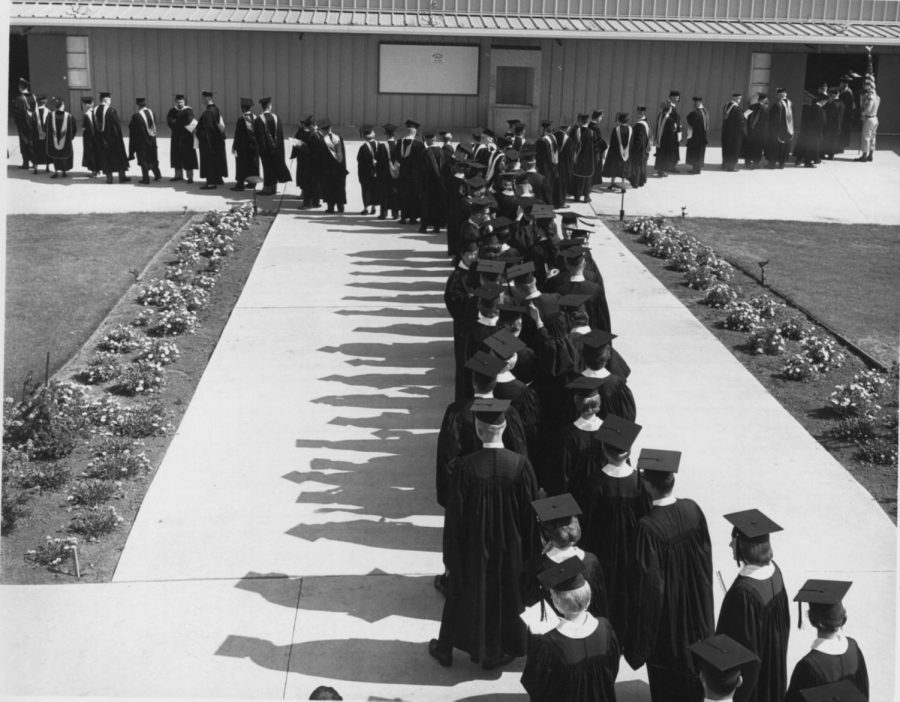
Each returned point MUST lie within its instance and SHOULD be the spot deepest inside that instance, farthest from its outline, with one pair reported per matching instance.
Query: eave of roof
(364, 21)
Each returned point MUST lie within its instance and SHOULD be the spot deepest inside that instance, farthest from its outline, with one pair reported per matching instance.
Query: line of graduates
(555, 547)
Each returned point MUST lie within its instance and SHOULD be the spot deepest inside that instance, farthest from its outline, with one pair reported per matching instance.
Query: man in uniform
(734, 128)
(244, 147)
(211, 140)
(365, 169)
(671, 578)
(869, 102)
(668, 136)
(781, 130)
(23, 112)
(182, 155)
(270, 141)
(89, 137)
(697, 136)
(113, 158)
(142, 141)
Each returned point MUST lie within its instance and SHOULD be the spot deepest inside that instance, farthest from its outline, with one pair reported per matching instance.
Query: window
(77, 63)
(515, 85)
(760, 74)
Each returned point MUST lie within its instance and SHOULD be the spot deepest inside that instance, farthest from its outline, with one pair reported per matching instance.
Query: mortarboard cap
(428, 135)
(87, 100)
(572, 253)
(464, 148)
(843, 691)
(659, 460)
(520, 128)
(504, 343)
(618, 432)
(325, 123)
(411, 124)
(697, 98)
(511, 311)
(366, 129)
(580, 233)
(476, 182)
(585, 385)
(674, 93)
(476, 135)
(487, 265)
(513, 122)
(583, 116)
(265, 102)
(40, 97)
(389, 128)
(488, 133)
(596, 338)
(596, 113)
(106, 95)
(206, 93)
(490, 409)
(640, 108)
(546, 123)
(488, 292)
(762, 96)
(179, 96)
(753, 524)
(520, 270)
(622, 117)
(140, 102)
(501, 223)
(550, 509)
(485, 364)
(246, 103)
(512, 155)
(834, 90)
(780, 90)
(563, 577)
(824, 594)
(24, 83)
(477, 203)
(736, 94)
(721, 658)
(541, 211)
(573, 300)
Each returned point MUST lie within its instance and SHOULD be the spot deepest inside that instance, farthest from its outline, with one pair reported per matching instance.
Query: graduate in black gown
(245, 147)
(578, 456)
(306, 149)
(641, 144)
(808, 149)
(734, 129)
(89, 158)
(460, 301)
(506, 346)
(365, 169)
(142, 141)
(210, 135)
(616, 501)
(40, 127)
(834, 656)
(269, 135)
(560, 535)
(333, 168)
(668, 136)
(618, 158)
(60, 137)
(23, 113)
(477, 327)
(113, 158)
(757, 131)
(182, 156)
(489, 533)
(721, 661)
(512, 318)
(583, 140)
(755, 609)
(601, 361)
(671, 578)
(697, 136)
(576, 261)
(578, 661)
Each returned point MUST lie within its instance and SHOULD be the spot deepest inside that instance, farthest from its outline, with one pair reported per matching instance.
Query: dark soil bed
(806, 401)
(48, 514)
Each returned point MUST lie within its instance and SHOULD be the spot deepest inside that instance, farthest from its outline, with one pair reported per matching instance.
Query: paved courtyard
(290, 536)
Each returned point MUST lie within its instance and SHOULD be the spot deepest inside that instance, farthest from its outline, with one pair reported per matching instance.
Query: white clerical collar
(622, 471)
(582, 330)
(835, 646)
(487, 321)
(579, 628)
(534, 295)
(577, 278)
(598, 373)
(505, 377)
(558, 555)
(758, 572)
(463, 266)
(664, 501)
(592, 423)
(493, 445)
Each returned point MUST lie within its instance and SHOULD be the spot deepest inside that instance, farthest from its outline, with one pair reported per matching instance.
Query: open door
(47, 65)
(515, 88)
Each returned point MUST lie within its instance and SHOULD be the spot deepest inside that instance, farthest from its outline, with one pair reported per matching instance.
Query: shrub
(159, 351)
(798, 367)
(741, 316)
(879, 451)
(44, 476)
(140, 378)
(719, 295)
(173, 322)
(144, 319)
(665, 247)
(713, 271)
(188, 252)
(859, 397)
(119, 339)
(203, 280)
(683, 260)
(146, 419)
(767, 341)
(822, 353)
(117, 459)
(50, 422)
(13, 506)
(180, 273)
(163, 294)
(641, 225)
(95, 521)
(766, 306)
(194, 298)
(92, 492)
(854, 429)
(53, 551)
(103, 367)
(794, 328)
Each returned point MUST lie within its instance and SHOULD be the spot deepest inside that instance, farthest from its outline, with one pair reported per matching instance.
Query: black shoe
(403, 220)
(109, 179)
(157, 177)
(364, 211)
(330, 210)
(189, 180)
(869, 157)
(144, 181)
(208, 186)
(340, 209)
(445, 658)
(24, 167)
(175, 179)
(382, 216)
(422, 229)
(238, 188)
(55, 175)
(503, 660)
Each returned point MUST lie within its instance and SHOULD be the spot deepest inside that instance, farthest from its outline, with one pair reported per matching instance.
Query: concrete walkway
(290, 535)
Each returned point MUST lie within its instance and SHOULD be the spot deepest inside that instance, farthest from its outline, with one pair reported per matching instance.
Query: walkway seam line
(287, 671)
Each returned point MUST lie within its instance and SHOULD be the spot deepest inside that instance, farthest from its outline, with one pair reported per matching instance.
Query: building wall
(336, 75)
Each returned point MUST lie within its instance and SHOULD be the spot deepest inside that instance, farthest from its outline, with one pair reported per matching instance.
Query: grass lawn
(64, 273)
(844, 274)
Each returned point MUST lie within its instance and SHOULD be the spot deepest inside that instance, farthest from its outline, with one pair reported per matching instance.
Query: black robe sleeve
(448, 449)
(647, 604)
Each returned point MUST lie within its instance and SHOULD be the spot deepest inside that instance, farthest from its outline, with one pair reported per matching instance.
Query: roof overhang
(146, 16)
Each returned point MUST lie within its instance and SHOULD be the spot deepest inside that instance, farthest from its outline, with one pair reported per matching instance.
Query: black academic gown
(547, 163)
(582, 138)
(849, 103)
(182, 155)
(831, 134)
(781, 132)
(562, 669)
(755, 613)
(579, 459)
(695, 153)
(757, 134)
(457, 437)
(610, 514)
(460, 302)
(365, 172)
(565, 149)
(386, 165)
(672, 607)
(142, 139)
(333, 170)
(618, 157)
(817, 668)
(525, 401)
(432, 197)
(246, 151)
(89, 158)
(489, 533)
(23, 113)
(533, 593)
(597, 308)
(113, 158)
(269, 134)
(734, 127)
(211, 142)
(40, 126)
(60, 137)
(307, 170)
(668, 134)
(640, 153)
(409, 152)
(812, 128)
(600, 147)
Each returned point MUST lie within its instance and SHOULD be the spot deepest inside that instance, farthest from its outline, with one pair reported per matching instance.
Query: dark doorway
(18, 62)
(828, 68)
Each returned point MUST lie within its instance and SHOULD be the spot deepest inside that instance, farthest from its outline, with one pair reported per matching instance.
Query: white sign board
(441, 69)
